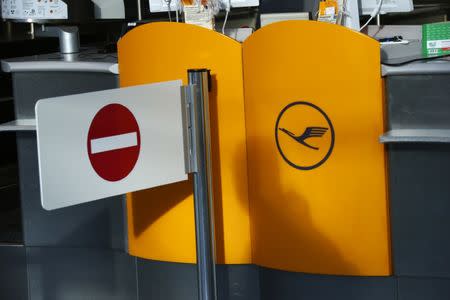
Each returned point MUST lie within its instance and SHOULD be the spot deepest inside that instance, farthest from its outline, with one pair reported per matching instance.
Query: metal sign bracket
(188, 93)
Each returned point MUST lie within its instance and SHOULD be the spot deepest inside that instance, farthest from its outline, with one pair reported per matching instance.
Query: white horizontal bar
(114, 142)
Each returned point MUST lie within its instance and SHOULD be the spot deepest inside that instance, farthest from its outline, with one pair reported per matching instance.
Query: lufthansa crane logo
(304, 135)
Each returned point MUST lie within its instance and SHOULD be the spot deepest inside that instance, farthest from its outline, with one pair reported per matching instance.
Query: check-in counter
(300, 221)
(82, 248)
(294, 218)
(418, 139)
(35, 78)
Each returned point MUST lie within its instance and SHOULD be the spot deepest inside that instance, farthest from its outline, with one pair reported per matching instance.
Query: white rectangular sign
(32, 9)
(97, 145)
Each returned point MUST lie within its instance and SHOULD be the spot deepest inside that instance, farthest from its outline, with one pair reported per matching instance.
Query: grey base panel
(173, 281)
(282, 285)
(420, 209)
(80, 274)
(423, 288)
(13, 273)
(238, 282)
(99, 224)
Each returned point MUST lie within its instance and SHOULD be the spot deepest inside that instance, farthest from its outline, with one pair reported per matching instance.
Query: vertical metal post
(203, 193)
(9, 29)
(32, 30)
(139, 10)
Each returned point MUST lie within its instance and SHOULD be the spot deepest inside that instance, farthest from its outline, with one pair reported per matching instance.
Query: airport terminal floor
(224, 150)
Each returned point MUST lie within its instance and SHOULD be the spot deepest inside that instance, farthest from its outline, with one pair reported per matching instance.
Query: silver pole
(32, 30)
(69, 37)
(203, 191)
(9, 29)
(139, 9)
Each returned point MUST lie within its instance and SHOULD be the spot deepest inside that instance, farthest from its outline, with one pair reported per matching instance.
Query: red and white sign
(114, 142)
(97, 145)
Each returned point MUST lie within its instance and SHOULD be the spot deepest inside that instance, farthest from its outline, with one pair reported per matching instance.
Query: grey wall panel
(29, 87)
(10, 215)
(13, 273)
(420, 209)
(80, 274)
(423, 289)
(418, 101)
(173, 281)
(96, 224)
(281, 285)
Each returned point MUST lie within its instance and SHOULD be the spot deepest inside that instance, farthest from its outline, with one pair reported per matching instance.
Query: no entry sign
(113, 142)
(96, 145)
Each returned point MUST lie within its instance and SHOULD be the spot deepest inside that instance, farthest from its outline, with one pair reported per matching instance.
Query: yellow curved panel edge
(332, 219)
(161, 220)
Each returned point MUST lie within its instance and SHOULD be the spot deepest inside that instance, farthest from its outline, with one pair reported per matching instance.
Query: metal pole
(203, 192)
(9, 29)
(32, 30)
(139, 10)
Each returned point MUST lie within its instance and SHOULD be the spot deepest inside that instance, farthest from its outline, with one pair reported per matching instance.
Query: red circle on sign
(113, 142)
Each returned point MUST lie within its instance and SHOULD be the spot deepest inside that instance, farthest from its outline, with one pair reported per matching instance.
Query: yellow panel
(161, 220)
(332, 219)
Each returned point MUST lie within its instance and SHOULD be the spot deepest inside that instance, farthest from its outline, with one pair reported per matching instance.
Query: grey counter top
(416, 136)
(422, 67)
(406, 59)
(19, 125)
(85, 61)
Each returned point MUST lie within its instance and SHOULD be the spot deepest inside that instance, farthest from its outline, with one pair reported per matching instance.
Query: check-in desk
(418, 139)
(293, 221)
(71, 253)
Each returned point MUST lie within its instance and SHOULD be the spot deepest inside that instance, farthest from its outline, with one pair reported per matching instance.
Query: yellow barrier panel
(300, 180)
(317, 180)
(161, 220)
